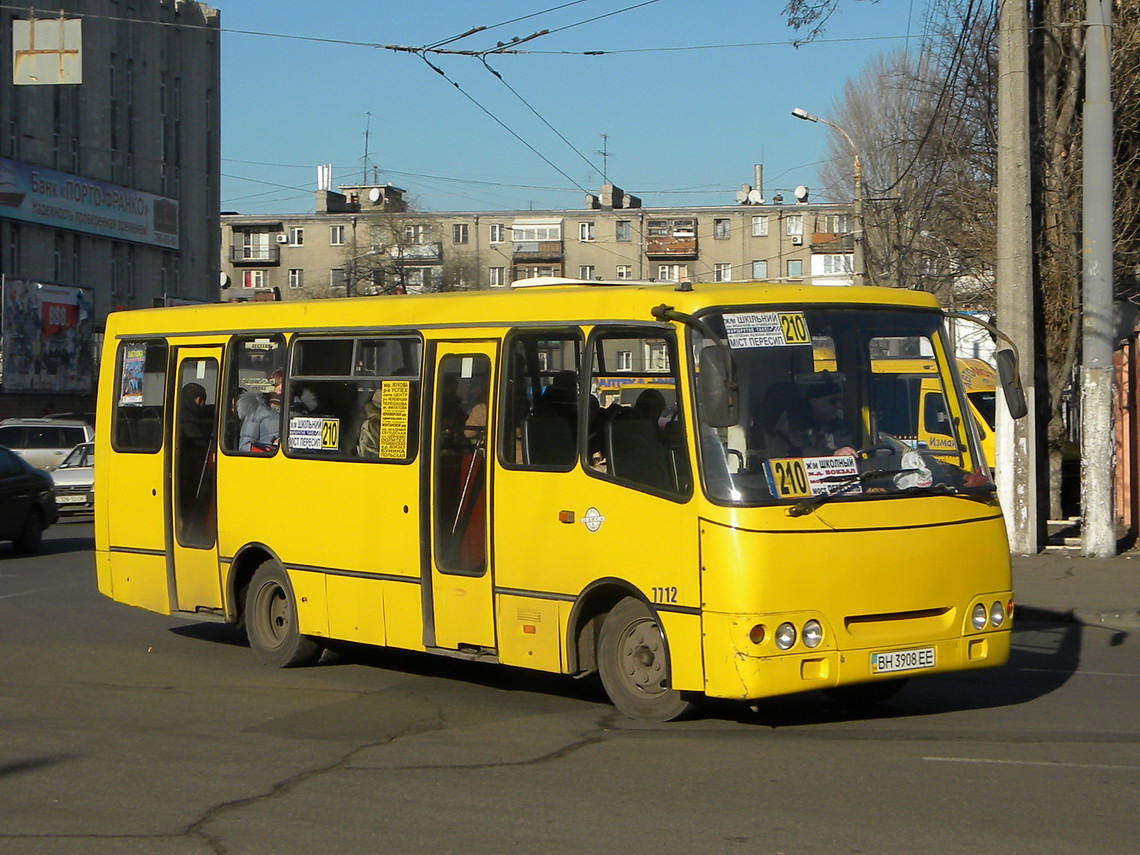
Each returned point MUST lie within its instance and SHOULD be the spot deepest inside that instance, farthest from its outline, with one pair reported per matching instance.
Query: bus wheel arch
(242, 568)
(585, 622)
(271, 619)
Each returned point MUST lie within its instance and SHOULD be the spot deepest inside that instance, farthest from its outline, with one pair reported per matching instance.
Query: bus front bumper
(742, 674)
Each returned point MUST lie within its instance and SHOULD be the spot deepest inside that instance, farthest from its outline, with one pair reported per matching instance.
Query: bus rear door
(193, 500)
(460, 612)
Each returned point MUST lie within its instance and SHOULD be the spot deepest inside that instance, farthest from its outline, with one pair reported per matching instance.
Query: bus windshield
(835, 403)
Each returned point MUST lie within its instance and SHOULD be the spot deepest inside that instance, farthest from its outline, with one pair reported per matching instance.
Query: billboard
(47, 337)
(61, 200)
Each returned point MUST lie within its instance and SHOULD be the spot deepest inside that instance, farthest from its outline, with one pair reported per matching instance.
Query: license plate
(77, 499)
(902, 660)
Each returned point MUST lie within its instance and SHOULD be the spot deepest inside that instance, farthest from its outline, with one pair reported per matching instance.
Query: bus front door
(193, 530)
(460, 610)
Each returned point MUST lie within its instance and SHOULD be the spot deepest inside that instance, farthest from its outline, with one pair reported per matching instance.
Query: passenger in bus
(650, 404)
(260, 416)
(368, 442)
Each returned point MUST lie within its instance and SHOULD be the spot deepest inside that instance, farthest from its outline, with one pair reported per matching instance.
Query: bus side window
(640, 443)
(541, 399)
(140, 384)
(252, 420)
(354, 398)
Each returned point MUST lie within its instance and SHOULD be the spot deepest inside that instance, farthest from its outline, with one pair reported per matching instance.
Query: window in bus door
(461, 588)
(461, 457)
(194, 452)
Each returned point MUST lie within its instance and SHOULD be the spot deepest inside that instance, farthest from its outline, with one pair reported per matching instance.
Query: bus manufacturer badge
(593, 519)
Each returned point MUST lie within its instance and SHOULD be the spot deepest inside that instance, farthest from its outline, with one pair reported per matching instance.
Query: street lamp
(857, 177)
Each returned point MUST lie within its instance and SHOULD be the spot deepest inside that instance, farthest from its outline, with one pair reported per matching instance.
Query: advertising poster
(47, 337)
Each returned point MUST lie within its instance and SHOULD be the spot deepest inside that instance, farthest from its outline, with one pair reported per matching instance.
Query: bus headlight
(979, 617)
(785, 635)
(813, 634)
(997, 615)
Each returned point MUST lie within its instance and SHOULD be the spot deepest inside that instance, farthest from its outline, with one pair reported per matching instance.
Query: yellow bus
(437, 473)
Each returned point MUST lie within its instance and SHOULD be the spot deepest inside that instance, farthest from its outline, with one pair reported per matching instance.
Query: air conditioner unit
(797, 240)
(282, 239)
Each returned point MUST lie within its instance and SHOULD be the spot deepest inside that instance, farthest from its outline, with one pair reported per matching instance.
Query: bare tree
(942, 189)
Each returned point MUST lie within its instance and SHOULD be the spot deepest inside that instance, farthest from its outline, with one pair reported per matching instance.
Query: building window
(297, 236)
(722, 229)
(495, 277)
(759, 269)
(253, 279)
(585, 232)
(672, 272)
(337, 278)
(415, 233)
(794, 224)
(585, 271)
(839, 264)
(623, 230)
(759, 227)
(296, 277)
(498, 234)
(837, 224)
(795, 269)
(336, 235)
(623, 271)
(459, 233)
(722, 272)
(625, 360)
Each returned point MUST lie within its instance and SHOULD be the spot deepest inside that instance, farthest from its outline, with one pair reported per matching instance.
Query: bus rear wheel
(271, 620)
(634, 664)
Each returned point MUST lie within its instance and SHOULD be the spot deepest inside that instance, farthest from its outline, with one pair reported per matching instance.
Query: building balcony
(673, 248)
(523, 251)
(827, 243)
(255, 255)
(417, 252)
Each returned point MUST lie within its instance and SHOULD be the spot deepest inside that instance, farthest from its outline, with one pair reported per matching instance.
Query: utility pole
(1098, 537)
(1016, 312)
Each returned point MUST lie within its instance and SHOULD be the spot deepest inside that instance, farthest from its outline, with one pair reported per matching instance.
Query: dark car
(27, 503)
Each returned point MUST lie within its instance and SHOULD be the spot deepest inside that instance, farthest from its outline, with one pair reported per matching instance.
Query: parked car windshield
(844, 402)
(81, 455)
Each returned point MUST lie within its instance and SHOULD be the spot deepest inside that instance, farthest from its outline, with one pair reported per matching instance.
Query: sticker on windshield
(766, 329)
(800, 477)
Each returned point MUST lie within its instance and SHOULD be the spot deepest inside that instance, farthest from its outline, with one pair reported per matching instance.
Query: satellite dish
(742, 194)
(801, 193)
(755, 197)
(225, 281)
(374, 195)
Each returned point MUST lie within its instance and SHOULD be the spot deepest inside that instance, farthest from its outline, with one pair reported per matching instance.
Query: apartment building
(109, 179)
(363, 241)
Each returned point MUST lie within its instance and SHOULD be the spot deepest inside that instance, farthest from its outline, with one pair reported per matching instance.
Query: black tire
(866, 695)
(31, 533)
(271, 620)
(634, 664)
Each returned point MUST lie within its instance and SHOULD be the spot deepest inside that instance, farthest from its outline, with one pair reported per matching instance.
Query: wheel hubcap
(643, 657)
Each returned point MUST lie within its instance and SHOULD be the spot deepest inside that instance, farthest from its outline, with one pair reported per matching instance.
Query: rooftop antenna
(366, 158)
(605, 153)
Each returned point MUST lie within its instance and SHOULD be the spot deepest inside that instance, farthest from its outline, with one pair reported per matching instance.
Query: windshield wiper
(845, 484)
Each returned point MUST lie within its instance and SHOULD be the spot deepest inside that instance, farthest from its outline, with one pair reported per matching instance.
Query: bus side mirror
(718, 386)
(1011, 382)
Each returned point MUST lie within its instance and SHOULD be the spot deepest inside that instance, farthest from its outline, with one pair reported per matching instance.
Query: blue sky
(689, 95)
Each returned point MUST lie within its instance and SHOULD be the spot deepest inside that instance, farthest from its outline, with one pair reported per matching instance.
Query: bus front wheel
(271, 620)
(634, 664)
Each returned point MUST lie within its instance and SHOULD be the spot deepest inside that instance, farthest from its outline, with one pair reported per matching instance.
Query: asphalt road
(127, 732)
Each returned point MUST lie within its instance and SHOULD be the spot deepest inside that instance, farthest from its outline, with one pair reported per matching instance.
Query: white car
(44, 442)
(75, 480)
